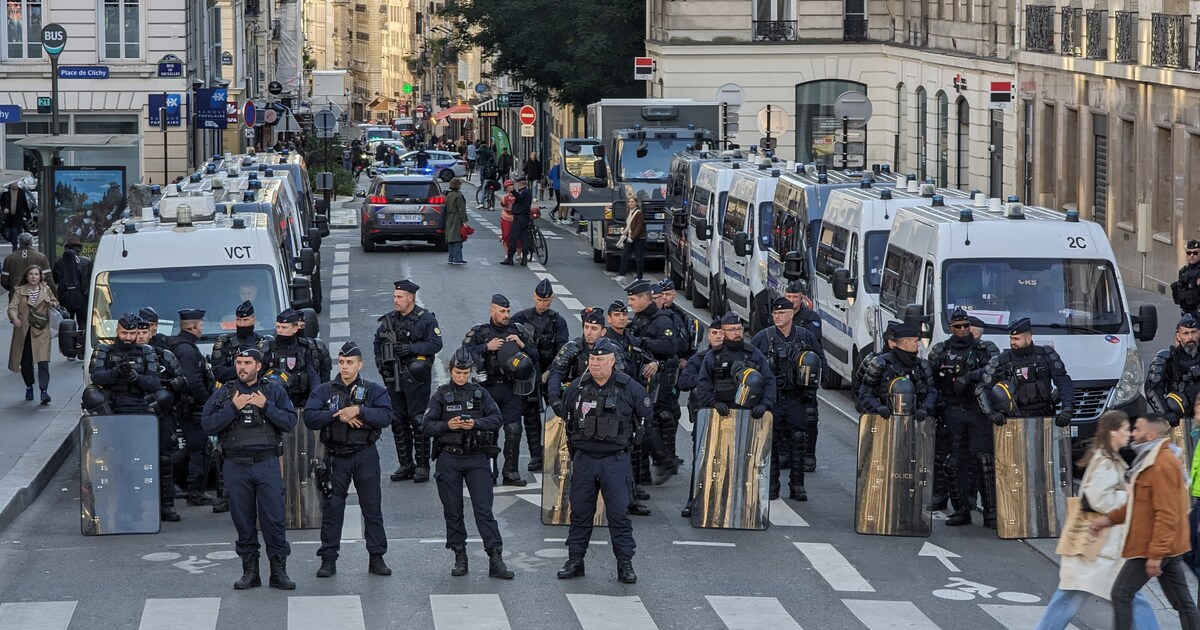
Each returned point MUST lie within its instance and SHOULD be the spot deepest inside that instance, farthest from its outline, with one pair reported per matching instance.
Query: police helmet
(419, 368)
(750, 387)
(1177, 403)
(903, 395)
(462, 360)
(95, 401)
(279, 377)
(808, 369)
(1001, 397)
(524, 373)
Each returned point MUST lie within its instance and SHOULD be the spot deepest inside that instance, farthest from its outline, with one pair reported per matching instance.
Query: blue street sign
(10, 114)
(210, 108)
(83, 72)
(249, 114)
(481, 88)
(170, 69)
(173, 109)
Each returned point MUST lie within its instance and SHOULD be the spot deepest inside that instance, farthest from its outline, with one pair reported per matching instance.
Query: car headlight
(1129, 386)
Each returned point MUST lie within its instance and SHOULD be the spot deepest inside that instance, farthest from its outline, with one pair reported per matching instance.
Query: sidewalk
(344, 213)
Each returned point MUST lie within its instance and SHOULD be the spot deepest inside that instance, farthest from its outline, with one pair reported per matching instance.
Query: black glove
(403, 349)
(1063, 419)
(921, 415)
(758, 411)
(721, 408)
(883, 411)
(179, 384)
(126, 372)
(1173, 419)
(559, 408)
(998, 418)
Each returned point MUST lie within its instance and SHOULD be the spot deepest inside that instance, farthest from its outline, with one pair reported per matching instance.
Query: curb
(22, 485)
(343, 226)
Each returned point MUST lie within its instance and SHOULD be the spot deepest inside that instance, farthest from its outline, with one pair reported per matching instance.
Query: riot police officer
(1174, 377)
(656, 330)
(550, 333)
(1032, 373)
(406, 342)
(571, 361)
(900, 363)
(250, 416)
(350, 413)
(687, 383)
(607, 412)
(641, 366)
(958, 365)
(227, 346)
(508, 358)
(294, 360)
(806, 318)
(195, 370)
(687, 339)
(1186, 290)
(717, 379)
(889, 342)
(150, 316)
(797, 361)
(463, 421)
(173, 385)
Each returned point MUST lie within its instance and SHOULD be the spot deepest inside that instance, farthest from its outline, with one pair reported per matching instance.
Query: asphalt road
(809, 569)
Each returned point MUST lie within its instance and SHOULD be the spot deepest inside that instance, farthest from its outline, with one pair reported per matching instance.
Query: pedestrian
(533, 174)
(506, 217)
(1102, 490)
(472, 157)
(550, 333)
(29, 312)
(655, 328)
(456, 220)
(505, 162)
(22, 258)
(518, 233)
(72, 274)
(634, 237)
(559, 213)
(350, 413)
(422, 157)
(406, 342)
(16, 210)
(1156, 513)
(463, 420)
(1185, 291)
(249, 418)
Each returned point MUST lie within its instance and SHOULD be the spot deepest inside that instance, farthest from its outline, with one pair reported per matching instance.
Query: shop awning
(458, 112)
(380, 104)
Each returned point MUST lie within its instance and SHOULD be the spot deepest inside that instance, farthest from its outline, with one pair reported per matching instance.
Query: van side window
(928, 303)
(701, 198)
(831, 251)
(764, 225)
(901, 279)
(735, 217)
(853, 266)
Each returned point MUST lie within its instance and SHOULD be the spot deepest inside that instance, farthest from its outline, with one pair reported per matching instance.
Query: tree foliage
(574, 52)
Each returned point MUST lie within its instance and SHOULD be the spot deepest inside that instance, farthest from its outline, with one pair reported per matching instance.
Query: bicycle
(485, 195)
(537, 241)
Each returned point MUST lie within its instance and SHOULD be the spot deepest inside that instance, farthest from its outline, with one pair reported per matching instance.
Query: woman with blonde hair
(29, 312)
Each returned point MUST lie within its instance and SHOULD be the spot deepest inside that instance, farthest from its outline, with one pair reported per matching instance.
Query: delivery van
(746, 233)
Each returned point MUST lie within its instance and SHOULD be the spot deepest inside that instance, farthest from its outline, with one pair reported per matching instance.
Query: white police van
(746, 233)
(851, 244)
(706, 212)
(1005, 263)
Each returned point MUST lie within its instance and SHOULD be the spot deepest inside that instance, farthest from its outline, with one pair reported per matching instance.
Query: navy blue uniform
(171, 376)
(550, 334)
(190, 403)
(227, 346)
(462, 457)
(499, 383)
(808, 319)
(126, 389)
(660, 336)
(715, 381)
(251, 439)
(299, 358)
(872, 394)
(352, 457)
(795, 411)
(405, 346)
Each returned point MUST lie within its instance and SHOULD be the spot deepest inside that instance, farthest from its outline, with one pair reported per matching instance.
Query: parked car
(442, 164)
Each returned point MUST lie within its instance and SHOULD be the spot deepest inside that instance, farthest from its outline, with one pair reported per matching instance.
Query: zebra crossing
(486, 611)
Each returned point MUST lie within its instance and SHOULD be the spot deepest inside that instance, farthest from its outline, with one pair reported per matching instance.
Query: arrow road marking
(933, 551)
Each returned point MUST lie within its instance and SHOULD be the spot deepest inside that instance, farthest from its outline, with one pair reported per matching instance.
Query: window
(874, 247)
(764, 223)
(773, 10)
(122, 34)
(901, 279)
(816, 126)
(735, 217)
(831, 250)
(1164, 182)
(943, 139)
(580, 160)
(23, 34)
(922, 132)
(701, 199)
(901, 139)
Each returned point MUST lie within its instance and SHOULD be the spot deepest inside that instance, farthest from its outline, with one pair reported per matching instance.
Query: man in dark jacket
(519, 232)
(15, 207)
(200, 386)
(73, 276)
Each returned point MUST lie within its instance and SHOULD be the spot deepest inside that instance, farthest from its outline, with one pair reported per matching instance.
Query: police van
(851, 244)
(1002, 264)
(745, 239)
(681, 179)
(284, 164)
(189, 257)
(706, 211)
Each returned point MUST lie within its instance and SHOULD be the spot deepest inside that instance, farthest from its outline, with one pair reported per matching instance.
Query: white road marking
(702, 543)
(834, 567)
(341, 270)
(782, 515)
(342, 246)
(40, 615)
(536, 266)
(352, 524)
(559, 289)
(340, 281)
(752, 613)
(944, 555)
(339, 311)
(442, 541)
(571, 304)
(320, 613)
(191, 613)
(581, 252)
(339, 331)
(484, 262)
(341, 256)
(336, 295)
(600, 612)
(1017, 617)
(478, 612)
(883, 615)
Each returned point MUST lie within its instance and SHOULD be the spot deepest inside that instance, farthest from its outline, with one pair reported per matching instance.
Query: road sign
(643, 68)
(324, 181)
(249, 114)
(170, 66)
(419, 111)
(1001, 95)
(325, 120)
(732, 95)
(270, 116)
(528, 115)
(768, 143)
(248, 132)
(772, 120)
(45, 104)
(54, 39)
(10, 114)
(516, 99)
(275, 87)
(856, 160)
(481, 88)
(527, 131)
(853, 105)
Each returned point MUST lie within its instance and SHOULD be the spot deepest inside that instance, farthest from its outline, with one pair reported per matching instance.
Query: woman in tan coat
(29, 312)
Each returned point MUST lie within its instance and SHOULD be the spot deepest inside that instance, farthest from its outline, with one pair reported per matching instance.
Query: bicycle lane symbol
(963, 590)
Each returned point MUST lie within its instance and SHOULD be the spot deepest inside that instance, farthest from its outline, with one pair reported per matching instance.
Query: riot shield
(556, 477)
(733, 457)
(894, 486)
(118, 474)
(1033, 477)
(302, 454)
(1182, 437)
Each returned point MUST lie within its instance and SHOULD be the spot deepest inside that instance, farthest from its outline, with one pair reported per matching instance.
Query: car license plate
(1074, 431)
(406, 218)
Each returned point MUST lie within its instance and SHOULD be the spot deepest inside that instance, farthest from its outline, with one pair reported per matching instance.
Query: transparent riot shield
(556, 477)
(894, 489)
(1183, 437)
(302, 454)
(733, 458)
(118, 474)
(1033, 477)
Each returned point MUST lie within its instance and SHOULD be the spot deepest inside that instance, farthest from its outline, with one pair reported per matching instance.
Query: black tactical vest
(600, 416)
(338, 433)
(1185, 372)
(727, 364)
(1030, 374)
(111, 357)
(463, 401)
(784, 356)
(293, 361)
(250, 429)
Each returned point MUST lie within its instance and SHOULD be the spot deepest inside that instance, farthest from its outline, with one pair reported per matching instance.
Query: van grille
(1090, 402)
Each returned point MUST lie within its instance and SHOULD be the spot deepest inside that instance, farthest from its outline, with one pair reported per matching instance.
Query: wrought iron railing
(854, 28)
(1039, 28)
(1127, 36)
(1072, 31)
(1097, 33)
(775, 30)
(1168, 40)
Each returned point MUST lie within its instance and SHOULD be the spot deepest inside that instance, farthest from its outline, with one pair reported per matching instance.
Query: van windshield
(1059, 296)
(217, 290)
(647, 160)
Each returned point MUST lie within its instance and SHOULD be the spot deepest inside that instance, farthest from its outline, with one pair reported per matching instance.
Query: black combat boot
(533, 438)
(796, 472)
(403, 438)
(625, 574)
(250, 577)
(496, 566)
(166, 512)
(421, 448)
(220, 505)
(777, 456)
(572, 569)
(328, 568)
(196, 496)
(460, 562)
(376, 565)
(279, 576)
(987, 489)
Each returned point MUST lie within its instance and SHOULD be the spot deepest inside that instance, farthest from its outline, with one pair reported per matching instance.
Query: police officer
(463, 421)
(250, 416)
(641, 366)
(889, 342)
(1174, 377)
(716, 380)
(550, 333)
(571, 361)
(508, 358)
(958, 365)
(350, 413)
(659, 336)
(806, 318)
(687, 382)
(1186, 290)
(123, 374)
(227, 346)
(405, 345)
(901, 362)
(173, 385)
(294, 361)
(607, 412)
(150, 316)
(687, 338)
(797, 361)
(1033, 372)
(195, 370)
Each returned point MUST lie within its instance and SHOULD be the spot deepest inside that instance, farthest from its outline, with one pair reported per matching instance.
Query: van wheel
(676, 279)
(612, 262)
(697, 298)
(598, 256)
(368, 245)
(832, 380)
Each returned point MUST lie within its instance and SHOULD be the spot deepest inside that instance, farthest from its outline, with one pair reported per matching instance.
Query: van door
(739, 218)
(832, 243)
(584, 178)
(698, 212)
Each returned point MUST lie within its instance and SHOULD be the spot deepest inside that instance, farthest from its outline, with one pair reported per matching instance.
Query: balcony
(774, 30)
(854, 28)
(1127, 37)
(1072, 32)
(1097, 33)
(1039, 29)
(1168, 40)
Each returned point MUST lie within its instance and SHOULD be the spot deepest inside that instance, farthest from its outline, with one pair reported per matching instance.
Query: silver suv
(403, 207)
